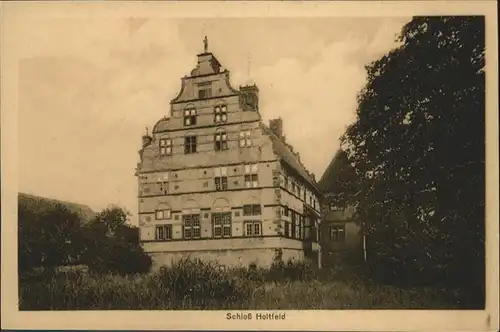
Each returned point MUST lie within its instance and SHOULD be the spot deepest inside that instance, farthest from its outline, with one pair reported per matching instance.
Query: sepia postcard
(307, 166)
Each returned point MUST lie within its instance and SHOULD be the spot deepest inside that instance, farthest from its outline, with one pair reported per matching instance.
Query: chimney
(276, 126)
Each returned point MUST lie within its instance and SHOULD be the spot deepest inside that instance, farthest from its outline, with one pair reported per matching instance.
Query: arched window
(190, 115)
(220, 113)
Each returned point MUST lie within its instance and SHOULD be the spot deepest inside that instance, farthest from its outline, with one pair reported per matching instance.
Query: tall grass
(194, 284)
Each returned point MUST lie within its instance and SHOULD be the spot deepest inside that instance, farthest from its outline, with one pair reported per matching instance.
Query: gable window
(221, 225)
(245, 140)
(204, 93)
(190, 117)
(253, 228)
(191, 223)
(251, 176)
(337, 233)
(220, 114)
(252, 210)
(163, 214)
(165, 147)
(220, 141)
(189, 144)
(163, 232)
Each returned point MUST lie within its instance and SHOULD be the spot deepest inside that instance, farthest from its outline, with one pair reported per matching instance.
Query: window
(251, 176)
(191, 226)
(334, 207)
(164, 232)
(221, 224)
(253, 228)
(204, 93)
(252, 210)
(337, 233)
(293, 187)
(221, 183)
(190, 117)
(221, 178)
(165, 147)
(163, 214)
(294, 224)
(189, 144)
(220, 114)
(286, 182)
(298, 191)
(287, 229)
(220, 141)
(285, 211)
(245, 140)
(163, 187)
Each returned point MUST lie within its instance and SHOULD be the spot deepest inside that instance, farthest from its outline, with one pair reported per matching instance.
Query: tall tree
(418, 148)
(49, 238)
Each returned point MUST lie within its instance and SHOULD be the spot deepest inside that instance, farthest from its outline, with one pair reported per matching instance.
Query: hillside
(39, 204)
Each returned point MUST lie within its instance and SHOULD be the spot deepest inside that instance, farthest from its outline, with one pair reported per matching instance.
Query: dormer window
(190, 117)
(220, 113)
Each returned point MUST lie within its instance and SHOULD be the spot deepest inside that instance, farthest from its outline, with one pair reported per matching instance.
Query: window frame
(254, 225)
(245, 140)
(191, 226)
(206, 91)
(220, 110)
(163, 214)
(220, 141)
(223, 222)
(163, 230)
(190, 144)
(339, 230)
(252, 210)
(190, 115)
(251, 175)
(165, 145)
(220, 183)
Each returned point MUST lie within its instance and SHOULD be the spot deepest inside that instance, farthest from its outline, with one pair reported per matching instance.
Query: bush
(293, 270)
(200, 282)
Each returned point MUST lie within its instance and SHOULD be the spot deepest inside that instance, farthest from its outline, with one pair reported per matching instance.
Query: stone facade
(216, 183)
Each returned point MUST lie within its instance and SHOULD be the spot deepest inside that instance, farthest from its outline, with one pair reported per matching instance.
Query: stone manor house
(216, 183)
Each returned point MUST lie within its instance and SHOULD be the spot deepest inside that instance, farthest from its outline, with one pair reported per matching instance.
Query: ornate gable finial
(205, 44)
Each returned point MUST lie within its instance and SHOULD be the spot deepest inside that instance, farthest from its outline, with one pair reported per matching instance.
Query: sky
(88, 87)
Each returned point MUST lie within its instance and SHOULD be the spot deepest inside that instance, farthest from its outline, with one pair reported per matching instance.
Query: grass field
(197, 285)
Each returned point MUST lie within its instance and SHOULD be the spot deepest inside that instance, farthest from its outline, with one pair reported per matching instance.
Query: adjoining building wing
(341, 238)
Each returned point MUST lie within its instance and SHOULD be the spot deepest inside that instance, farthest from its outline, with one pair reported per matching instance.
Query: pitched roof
(282, 150)
(39, 204)
(338, 172)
